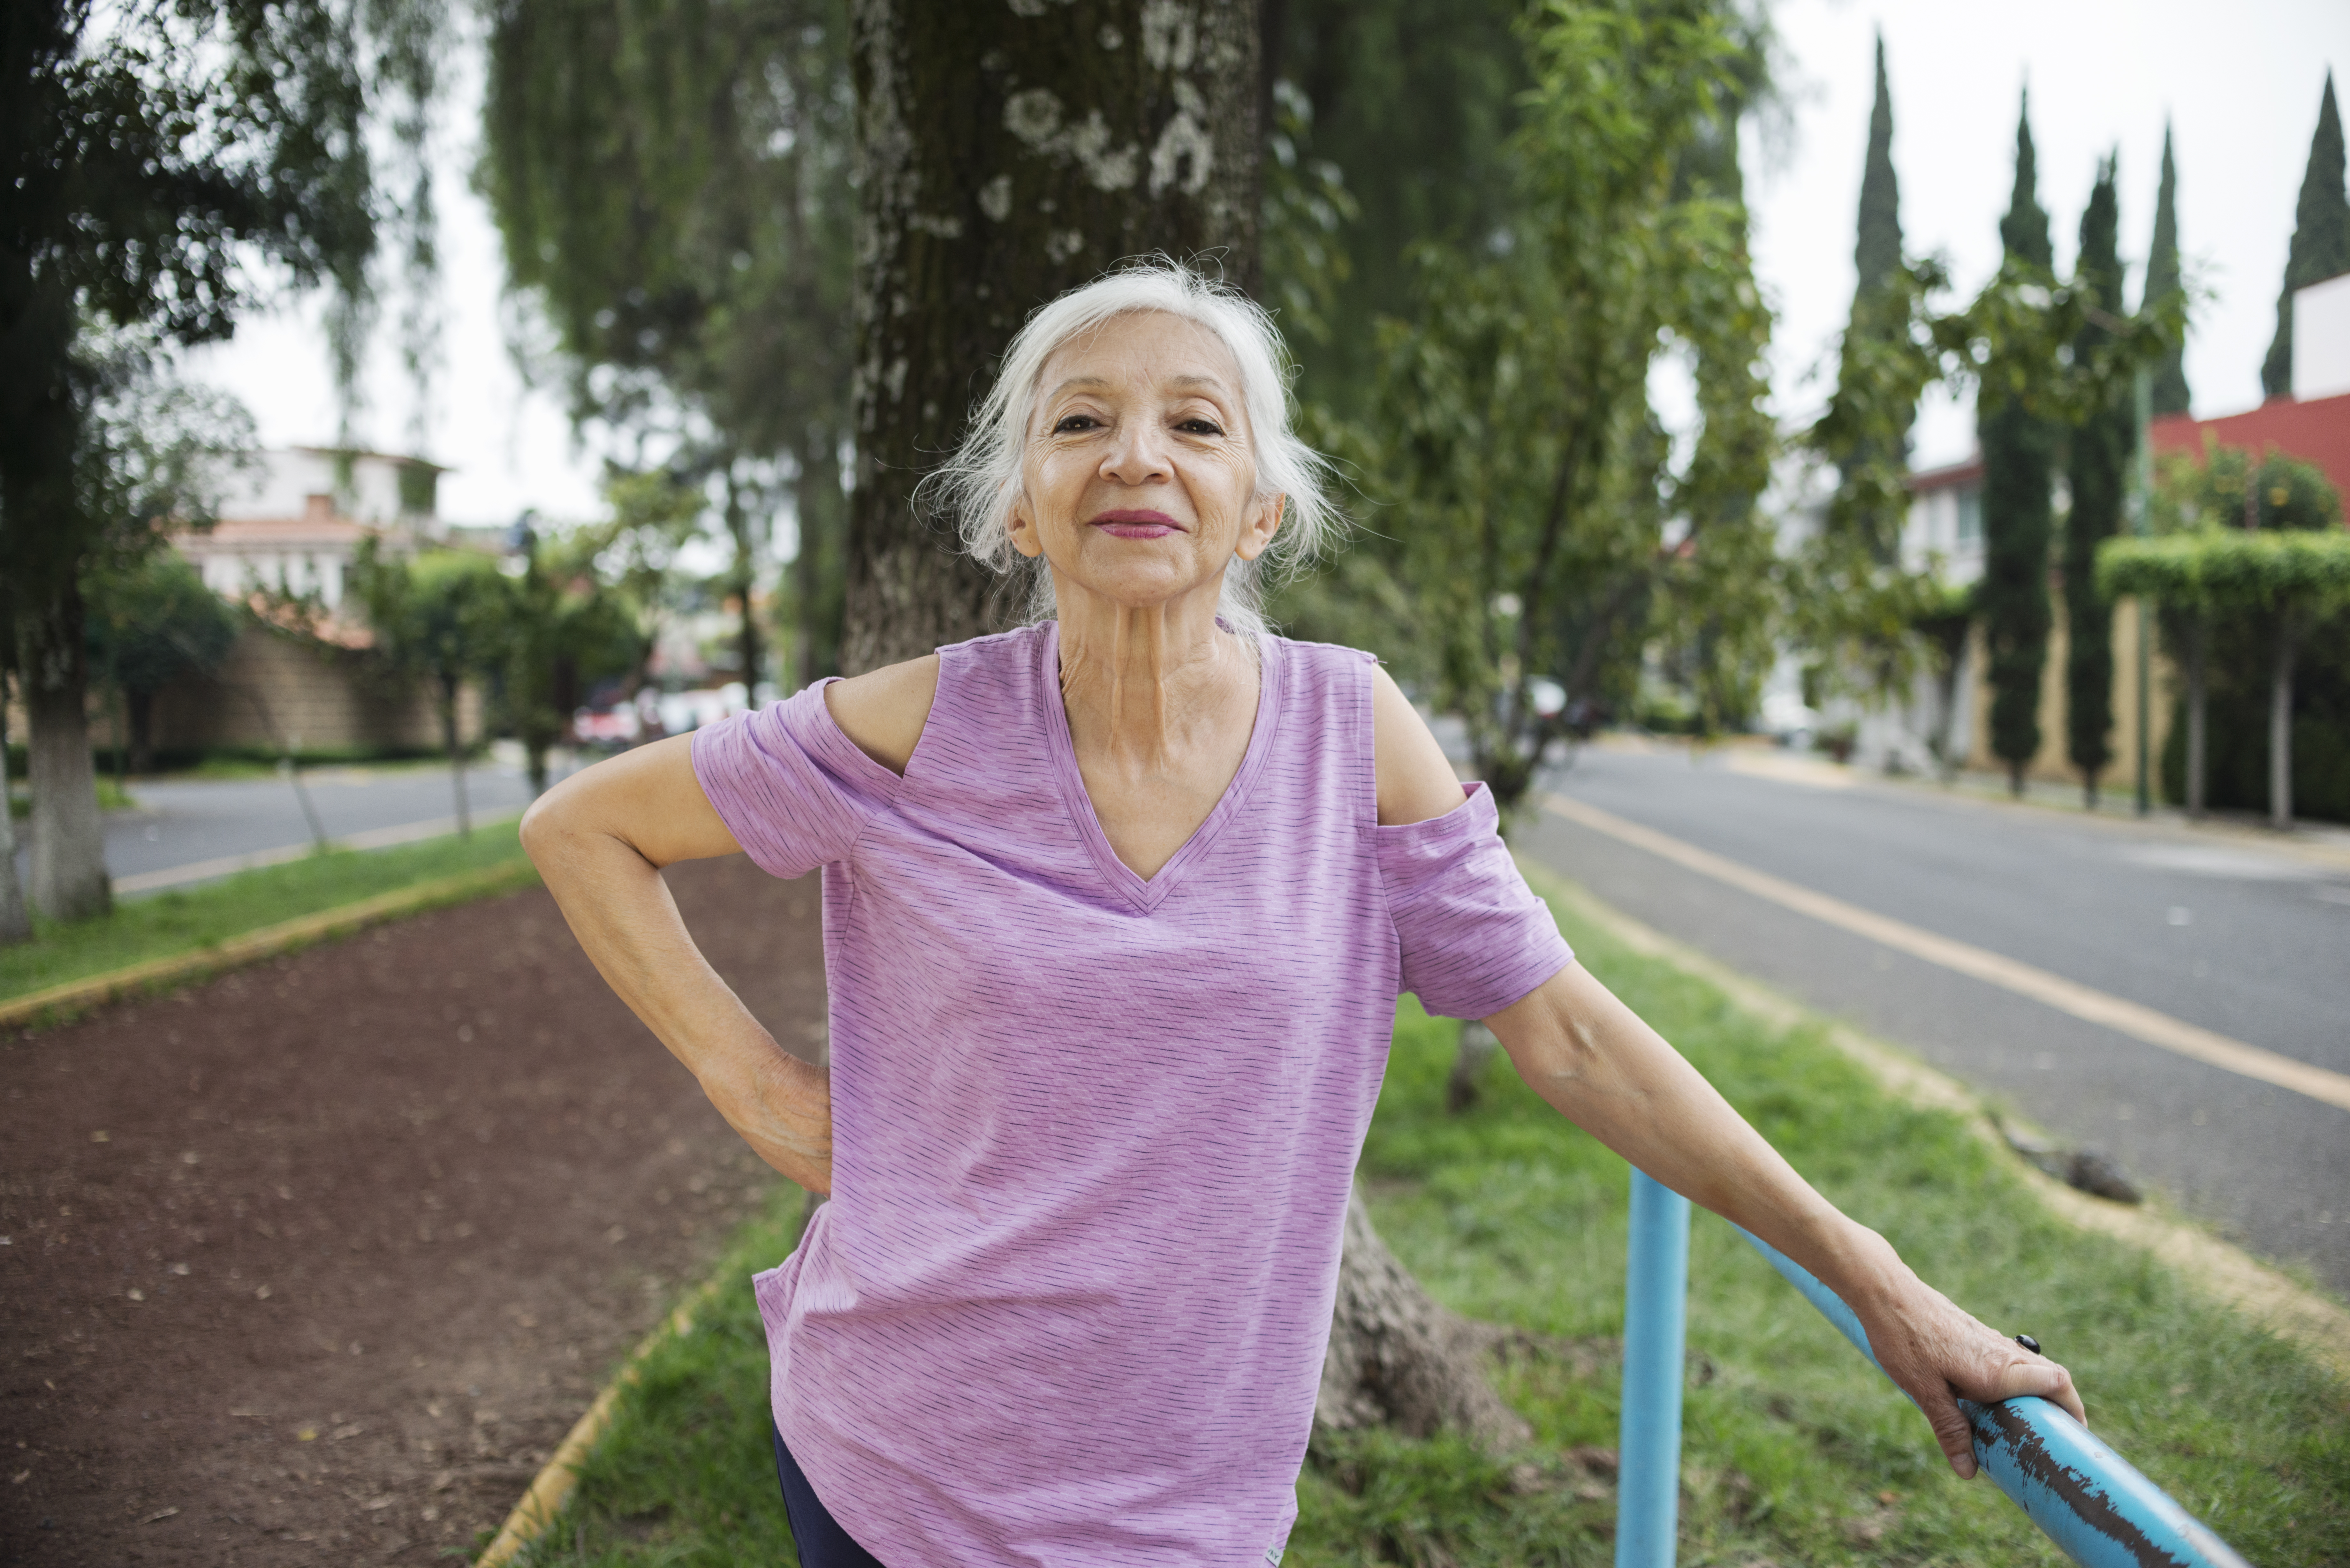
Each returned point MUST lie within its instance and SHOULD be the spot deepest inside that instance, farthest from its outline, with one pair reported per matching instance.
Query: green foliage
(2164, 283)
(150, 623)
(2231, 569)
(2224, 487)
(1394, 117)
(566, 629)
(188, 919)
(1877, 249)
(1795, 1450)
(160, 167)
(1547, 527)
(671, 178)
(2098, 453)
(2241, 653)
(2321, 236)
(1851, 601)
(444, 617)
(2019, 447)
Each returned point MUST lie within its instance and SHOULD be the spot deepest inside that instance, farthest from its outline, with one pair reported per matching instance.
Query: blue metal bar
(2088, 1500)
(1656, 1322)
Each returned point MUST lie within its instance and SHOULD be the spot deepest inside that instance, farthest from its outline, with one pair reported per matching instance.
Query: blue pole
(1656, 1322)
(2089, 1501)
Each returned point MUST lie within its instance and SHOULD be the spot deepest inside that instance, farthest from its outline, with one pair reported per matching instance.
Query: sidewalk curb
(58, 1002)
(2318, 1327)
(551, 1487)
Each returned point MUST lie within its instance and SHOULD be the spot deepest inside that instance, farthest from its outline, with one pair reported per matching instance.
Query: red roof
(1966, 475)
(2316, 430)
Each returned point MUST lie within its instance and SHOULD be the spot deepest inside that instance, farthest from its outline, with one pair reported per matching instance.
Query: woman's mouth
(1137, 524)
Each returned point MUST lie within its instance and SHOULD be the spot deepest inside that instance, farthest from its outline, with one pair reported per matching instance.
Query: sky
(2239, 85)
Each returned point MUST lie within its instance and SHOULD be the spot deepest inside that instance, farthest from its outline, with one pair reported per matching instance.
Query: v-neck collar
(1146, 893)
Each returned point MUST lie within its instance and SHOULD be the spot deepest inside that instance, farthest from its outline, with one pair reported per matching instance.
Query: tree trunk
(1477, 1047)
(69, 866)
(1397, 1357)
(453, 693)
(1007, 154)
(746, 573)
(2197, 757)
(141, 705)
(15, 919)
(2281, 725)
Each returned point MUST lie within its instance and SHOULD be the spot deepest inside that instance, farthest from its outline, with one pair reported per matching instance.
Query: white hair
(979, 484)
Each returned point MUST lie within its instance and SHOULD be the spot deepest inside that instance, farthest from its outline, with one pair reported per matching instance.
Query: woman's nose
(1136, 455)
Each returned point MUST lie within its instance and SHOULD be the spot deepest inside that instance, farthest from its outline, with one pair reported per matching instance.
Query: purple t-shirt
(1093, 1134)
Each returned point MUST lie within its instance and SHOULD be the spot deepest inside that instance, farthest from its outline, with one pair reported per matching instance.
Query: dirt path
(318, 1261)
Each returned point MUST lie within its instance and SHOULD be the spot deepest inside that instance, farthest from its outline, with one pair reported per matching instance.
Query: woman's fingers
(1947, 1356)
(2029, 1374)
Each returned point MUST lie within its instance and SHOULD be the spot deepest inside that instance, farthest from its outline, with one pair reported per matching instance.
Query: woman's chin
(1137, 587)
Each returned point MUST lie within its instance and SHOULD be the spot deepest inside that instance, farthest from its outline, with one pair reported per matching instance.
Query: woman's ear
(1022, 530)
(1260, 525)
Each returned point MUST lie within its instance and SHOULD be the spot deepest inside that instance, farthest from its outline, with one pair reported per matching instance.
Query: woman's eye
(1200, 427)
(1073, 422)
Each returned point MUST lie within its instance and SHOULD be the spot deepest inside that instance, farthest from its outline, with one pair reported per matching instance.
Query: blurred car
(1787, 719)
(612, 729)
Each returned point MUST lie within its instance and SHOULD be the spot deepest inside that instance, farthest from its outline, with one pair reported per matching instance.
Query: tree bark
(740, 530)
(1476, 1048)
(69, 880)
(15, 919)
(2281, 725)
(451, 702)
(1006, 154)
(2198, 688)
(1398, 1358)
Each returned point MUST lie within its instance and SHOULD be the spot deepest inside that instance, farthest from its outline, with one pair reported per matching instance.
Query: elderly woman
(1115, 909)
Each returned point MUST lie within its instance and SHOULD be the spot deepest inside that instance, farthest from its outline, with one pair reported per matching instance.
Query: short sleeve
(1472, 935)
(792, 789)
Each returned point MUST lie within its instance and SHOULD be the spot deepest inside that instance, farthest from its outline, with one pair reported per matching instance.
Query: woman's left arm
(1611, 1075)
(1605, 1070)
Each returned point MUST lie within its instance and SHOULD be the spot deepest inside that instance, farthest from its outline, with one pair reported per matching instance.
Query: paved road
(2221, 931)
(195, 824)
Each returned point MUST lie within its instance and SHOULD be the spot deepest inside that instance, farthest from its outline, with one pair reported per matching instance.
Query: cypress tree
(2018, 451)
(2162, 281)
(1877, 307)
(2100, 449)
(1878, 252)
(2321, 237)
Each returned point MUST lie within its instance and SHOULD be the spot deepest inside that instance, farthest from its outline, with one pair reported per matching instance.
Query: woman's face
(1138, 475)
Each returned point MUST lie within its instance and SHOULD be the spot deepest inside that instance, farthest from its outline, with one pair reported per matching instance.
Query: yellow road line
(2124, 1017)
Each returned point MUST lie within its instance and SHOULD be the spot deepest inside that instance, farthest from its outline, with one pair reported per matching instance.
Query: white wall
(2320, 339)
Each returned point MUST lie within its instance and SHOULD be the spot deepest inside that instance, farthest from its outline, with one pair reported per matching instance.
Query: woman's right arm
(601, 838)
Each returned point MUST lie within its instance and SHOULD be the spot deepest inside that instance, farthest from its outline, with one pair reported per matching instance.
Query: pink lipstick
(1137, 524)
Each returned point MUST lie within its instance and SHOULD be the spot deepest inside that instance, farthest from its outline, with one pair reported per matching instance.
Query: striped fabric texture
(1094, 1132)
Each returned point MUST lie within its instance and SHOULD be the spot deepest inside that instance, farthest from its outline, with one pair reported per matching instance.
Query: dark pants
(822, 1542)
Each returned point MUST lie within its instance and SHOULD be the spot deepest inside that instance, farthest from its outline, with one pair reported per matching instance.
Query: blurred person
(1116, 907)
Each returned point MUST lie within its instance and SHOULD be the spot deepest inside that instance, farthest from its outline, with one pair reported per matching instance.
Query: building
(291, 524)
(295, 519)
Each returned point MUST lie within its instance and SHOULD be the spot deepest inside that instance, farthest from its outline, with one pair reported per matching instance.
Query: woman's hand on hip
(781, 1105)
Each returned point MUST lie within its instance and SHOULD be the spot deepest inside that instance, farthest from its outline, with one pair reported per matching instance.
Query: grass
(188, 919)
(111, 797)
(1795, 1450)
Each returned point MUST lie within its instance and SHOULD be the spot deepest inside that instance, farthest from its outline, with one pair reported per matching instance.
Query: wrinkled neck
(1138, 682)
